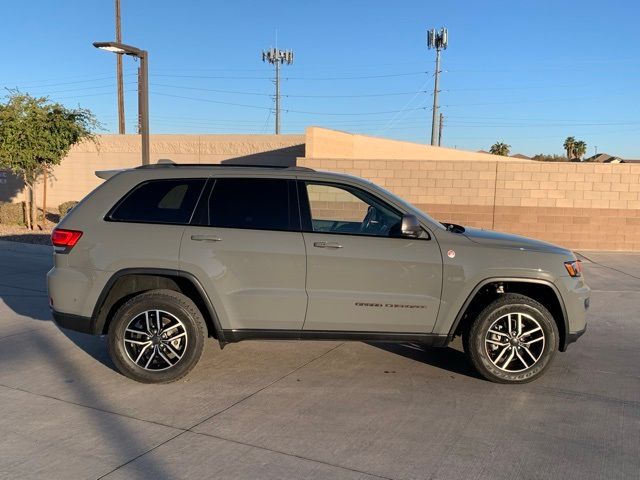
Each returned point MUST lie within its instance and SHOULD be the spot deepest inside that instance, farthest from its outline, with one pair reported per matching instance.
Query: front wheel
(156, 337)
(513, 340)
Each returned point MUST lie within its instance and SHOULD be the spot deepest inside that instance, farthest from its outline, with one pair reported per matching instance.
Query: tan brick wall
(331, 203)
(580, 206)
(75, 176)
(325, 143)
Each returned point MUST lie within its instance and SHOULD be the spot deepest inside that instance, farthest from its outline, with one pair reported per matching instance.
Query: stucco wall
(324, 143)
(75, 176)
(581, 206)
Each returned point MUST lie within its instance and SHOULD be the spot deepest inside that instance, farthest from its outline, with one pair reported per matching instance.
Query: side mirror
(410, 226)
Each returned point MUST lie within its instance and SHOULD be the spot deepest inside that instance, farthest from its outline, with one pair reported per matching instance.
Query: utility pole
(121, 123)
(276, 57)
(437, 40)
(440, 129)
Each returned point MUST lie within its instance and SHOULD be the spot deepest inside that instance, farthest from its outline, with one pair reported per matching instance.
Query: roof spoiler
(107, 174)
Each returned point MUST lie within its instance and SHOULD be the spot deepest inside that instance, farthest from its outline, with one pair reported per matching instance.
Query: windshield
(415, 210)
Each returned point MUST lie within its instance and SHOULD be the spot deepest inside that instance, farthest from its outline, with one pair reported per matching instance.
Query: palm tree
(579, 149)
(500, 148)
(569, 146)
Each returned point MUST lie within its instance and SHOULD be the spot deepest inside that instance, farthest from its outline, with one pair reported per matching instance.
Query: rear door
(246, 246)
(361, 274)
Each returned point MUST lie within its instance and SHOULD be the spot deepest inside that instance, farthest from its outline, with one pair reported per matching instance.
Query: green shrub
(12, 213)
(63, 208)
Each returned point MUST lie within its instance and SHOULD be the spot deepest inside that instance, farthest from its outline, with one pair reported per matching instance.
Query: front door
(246, 245)
(361, 274)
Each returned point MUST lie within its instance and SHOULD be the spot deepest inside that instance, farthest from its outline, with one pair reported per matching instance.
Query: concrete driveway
(274, 410)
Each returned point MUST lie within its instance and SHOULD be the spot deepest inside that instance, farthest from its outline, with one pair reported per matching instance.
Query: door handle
(326, 245)
(206, 238)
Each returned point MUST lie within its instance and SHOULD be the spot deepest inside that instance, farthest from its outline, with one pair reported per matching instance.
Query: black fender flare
(97, 323)
(539, 281)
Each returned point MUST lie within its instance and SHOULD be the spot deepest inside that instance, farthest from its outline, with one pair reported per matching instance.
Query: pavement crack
(19, 333)
(141, 455)
(38, 290)
(308, 459)
(103, 410)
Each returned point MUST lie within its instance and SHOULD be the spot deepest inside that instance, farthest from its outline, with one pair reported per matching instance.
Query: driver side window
(341, 209)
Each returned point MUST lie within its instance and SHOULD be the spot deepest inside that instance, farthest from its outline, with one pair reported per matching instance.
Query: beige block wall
(580, 206)
(75, 176)
(325, 143)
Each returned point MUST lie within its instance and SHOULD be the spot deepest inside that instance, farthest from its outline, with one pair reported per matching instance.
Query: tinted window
(160, 201)
(342, 209)
(252, 203)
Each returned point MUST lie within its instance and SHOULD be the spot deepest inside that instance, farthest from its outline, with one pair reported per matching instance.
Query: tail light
(64, 240)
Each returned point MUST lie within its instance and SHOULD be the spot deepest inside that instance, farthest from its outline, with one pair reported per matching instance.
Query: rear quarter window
(159, 201)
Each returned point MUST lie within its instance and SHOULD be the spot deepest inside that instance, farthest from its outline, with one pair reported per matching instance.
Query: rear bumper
(73, 322)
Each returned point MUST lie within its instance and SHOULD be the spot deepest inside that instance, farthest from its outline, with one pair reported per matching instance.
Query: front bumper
(73, 322)
(575, 296)
(573, 337)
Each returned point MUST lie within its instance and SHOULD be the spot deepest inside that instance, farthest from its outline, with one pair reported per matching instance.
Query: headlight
(574, 268)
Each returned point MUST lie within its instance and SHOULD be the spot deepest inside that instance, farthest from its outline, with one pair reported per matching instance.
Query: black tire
(173, 307)
(484, 348)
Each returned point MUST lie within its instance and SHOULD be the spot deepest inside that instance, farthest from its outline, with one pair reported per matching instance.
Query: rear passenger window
(253, 203)
(160, 201)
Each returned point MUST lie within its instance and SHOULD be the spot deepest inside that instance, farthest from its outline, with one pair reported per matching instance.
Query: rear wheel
(513, 340)
(157, 337)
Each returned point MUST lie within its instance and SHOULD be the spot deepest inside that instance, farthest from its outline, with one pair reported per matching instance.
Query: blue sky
(526, 73)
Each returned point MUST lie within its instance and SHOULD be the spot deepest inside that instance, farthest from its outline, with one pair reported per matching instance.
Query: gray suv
(161, 256)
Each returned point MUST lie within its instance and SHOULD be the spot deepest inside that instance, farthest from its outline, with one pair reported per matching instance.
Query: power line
(404, 108)
(238, 92)
(359, 77)
(202, 89)
(211, 101)
(107, 77)
(285, 110)
(364, 95)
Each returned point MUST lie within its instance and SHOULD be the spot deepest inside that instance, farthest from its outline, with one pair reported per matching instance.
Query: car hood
(508, 240)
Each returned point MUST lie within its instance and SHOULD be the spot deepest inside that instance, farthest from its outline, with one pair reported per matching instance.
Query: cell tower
(437, 40)
(276, 57)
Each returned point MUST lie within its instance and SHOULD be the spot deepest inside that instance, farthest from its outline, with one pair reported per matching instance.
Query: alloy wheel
(155, 340)
(515, 342)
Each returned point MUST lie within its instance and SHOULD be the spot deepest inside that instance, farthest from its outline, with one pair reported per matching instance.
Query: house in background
(521, 156)
(606, 158)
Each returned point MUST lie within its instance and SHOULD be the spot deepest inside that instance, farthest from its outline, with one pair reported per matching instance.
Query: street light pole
(143, 88)
(143, 105)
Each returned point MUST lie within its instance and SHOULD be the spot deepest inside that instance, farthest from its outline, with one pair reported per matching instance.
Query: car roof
(168, 169)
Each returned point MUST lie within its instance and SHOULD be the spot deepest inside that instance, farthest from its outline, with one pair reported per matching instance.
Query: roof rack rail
(164, 163)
